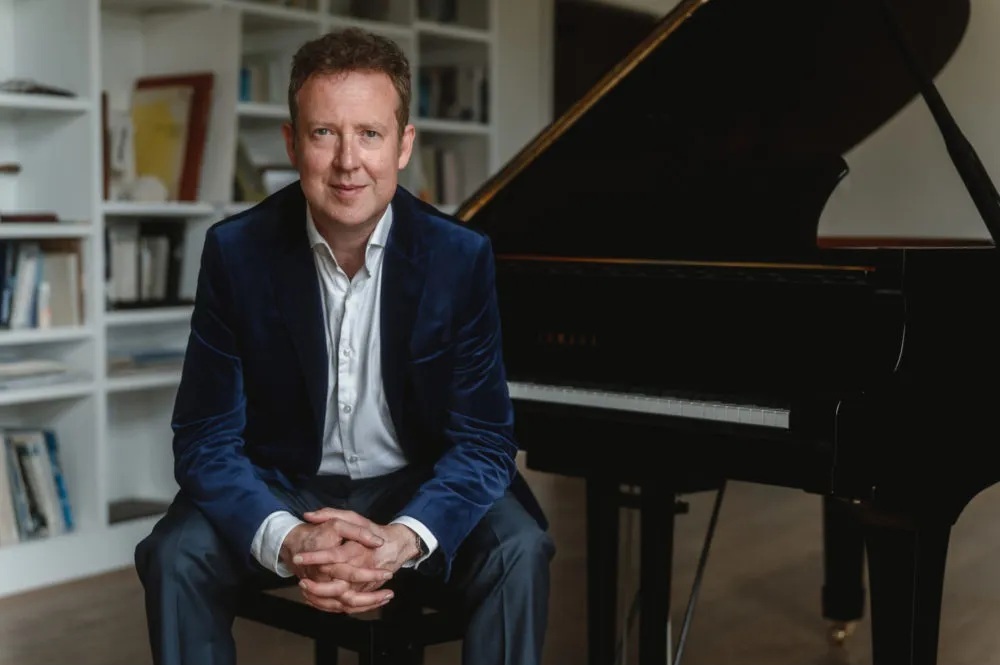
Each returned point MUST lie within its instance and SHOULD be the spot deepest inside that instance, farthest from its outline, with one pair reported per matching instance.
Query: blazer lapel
(297, 292)
(403, 274)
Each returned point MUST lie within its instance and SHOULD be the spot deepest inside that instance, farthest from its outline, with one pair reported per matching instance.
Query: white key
(744, 414)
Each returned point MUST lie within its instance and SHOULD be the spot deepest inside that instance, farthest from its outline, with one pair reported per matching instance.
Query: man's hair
(352, 50)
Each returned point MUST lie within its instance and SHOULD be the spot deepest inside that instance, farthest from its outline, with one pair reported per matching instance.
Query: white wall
(524, 85)
(901, 180)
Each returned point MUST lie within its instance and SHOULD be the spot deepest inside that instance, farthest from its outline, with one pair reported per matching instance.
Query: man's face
(347, 148)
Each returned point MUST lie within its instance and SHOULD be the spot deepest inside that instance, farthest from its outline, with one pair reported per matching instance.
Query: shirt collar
(378, 237)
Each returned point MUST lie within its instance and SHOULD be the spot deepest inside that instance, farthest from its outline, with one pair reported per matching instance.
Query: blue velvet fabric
(251, 402)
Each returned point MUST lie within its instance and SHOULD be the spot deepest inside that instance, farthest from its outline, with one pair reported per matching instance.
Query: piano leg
(906, 569)
(602, 569)
(843, 568)
(657, 508)
(656, 530)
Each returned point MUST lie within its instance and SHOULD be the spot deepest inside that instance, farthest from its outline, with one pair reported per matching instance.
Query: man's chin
(347, 215)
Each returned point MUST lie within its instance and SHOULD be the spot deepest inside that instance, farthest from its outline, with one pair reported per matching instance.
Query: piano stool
(420, 615)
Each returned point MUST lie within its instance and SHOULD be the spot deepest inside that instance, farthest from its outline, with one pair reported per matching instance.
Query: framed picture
(169, 125)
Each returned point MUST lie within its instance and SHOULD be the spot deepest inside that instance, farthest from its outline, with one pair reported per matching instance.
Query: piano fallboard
(735, 329)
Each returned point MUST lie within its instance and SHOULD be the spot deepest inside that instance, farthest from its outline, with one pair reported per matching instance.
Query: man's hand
(399, 546)
(350, 577)
(338, 526)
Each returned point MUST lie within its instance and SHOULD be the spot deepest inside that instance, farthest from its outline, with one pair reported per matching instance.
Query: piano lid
(719, 136)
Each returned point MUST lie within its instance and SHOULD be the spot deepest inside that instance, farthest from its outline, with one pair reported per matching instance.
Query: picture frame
(170, 115)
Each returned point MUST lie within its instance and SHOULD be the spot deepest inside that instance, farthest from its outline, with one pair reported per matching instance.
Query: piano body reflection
(689, 264)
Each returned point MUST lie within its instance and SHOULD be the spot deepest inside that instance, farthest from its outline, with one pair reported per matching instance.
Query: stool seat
(421, 613)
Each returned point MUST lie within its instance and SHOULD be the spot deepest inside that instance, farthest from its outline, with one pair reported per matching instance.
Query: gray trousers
(191, 577)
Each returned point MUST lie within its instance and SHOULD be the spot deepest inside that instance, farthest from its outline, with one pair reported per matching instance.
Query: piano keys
(780, 274)
(703, 407)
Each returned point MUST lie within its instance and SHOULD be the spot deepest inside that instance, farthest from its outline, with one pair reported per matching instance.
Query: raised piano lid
(721, 137)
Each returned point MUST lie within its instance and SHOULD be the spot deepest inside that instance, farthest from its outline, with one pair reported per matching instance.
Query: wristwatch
(422, 549)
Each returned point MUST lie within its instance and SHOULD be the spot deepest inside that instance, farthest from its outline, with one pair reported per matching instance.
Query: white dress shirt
(358, 435)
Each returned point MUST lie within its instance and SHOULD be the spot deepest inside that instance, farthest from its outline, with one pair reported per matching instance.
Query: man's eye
(370, 134)
(322, 131)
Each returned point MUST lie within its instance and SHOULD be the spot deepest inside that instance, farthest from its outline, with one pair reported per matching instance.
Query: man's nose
(346, 157)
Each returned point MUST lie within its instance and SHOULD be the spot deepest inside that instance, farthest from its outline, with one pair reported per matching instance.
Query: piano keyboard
(746, 414)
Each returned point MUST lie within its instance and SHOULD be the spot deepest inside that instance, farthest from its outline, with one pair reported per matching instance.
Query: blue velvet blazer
(251, 403)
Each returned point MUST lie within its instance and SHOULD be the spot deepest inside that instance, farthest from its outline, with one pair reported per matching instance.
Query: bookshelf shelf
(48, 393)
(236, 207)
(178, 209)
(262, 111)
(17, 230)
(151, 315)
(462, 33)
(123, 511)
(262, 15)
(15, 102)
(153, 6)
(144, 380)
(439, 126)
(45, 335)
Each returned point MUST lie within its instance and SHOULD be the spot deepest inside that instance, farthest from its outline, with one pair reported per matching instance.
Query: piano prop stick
(963, 155)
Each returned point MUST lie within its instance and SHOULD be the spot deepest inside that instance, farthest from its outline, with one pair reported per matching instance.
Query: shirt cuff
(425, 535)
(266, 545)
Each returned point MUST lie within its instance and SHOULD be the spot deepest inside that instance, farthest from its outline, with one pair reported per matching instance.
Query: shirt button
(347, 408)
(353, 458)
(347, 353)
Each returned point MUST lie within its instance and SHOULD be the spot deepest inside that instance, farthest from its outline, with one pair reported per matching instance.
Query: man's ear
(406, 146)
(288, 132)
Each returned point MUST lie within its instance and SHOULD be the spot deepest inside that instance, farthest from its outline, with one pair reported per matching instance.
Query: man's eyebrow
(319, 122)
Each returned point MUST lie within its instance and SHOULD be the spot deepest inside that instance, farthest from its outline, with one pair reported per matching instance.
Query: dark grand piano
(668, 291)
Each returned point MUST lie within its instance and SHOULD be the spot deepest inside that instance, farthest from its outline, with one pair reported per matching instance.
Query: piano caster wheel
(840, 631)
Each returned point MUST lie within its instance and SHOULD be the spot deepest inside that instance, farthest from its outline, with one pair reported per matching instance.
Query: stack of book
(34, 500)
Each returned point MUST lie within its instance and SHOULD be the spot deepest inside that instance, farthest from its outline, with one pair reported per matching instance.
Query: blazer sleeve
(477, 468)
(210, 413)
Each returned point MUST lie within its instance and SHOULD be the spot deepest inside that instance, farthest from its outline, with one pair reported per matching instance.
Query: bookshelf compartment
(378, 11)
(50, 148)
(71, 422)
(45, 362)
(147, 349)
(28, 51)
(453, 80)
(152, 261)
(451, 166)
(464, 13)
(42, 283)
(136, 46)
(140, 457)
(266, 49)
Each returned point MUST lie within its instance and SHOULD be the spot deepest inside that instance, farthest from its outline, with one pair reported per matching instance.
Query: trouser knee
(184, 546)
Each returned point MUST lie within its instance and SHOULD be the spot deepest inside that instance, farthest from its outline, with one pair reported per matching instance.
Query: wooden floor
(759, 601)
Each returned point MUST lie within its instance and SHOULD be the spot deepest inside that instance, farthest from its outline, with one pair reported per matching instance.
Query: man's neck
(348, 243)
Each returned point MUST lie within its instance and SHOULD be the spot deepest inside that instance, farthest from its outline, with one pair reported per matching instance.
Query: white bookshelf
(113, 427)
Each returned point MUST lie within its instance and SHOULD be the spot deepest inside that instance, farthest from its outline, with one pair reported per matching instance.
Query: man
(343, 411)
